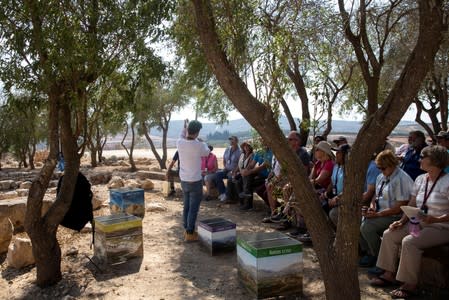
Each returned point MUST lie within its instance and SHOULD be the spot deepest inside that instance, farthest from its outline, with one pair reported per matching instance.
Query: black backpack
(81, 210)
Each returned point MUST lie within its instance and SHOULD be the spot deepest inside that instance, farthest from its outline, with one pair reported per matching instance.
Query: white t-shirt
(190, 153)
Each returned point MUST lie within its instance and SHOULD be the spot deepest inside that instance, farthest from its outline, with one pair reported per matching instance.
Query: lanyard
(379, 193)
(336, 179)
(426, 195)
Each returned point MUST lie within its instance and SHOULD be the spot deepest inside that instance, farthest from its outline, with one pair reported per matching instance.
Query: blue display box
(217, 235)
(127, 200)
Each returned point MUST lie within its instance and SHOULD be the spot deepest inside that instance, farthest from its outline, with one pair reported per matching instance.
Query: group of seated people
(414, 174)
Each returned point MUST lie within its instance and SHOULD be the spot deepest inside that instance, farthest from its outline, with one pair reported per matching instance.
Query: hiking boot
(172, 193)
(191, 237)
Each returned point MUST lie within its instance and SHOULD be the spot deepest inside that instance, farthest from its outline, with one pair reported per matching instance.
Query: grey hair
(438, 155)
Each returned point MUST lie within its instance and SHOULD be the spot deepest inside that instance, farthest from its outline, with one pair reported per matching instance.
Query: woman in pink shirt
(209, 165)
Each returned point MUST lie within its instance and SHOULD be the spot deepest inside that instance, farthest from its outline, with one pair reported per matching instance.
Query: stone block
(20, 253)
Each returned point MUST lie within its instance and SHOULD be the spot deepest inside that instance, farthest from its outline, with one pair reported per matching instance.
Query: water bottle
(413, 227)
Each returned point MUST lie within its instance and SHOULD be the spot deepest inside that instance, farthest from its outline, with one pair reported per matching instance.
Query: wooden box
(217, 235)
(270, 264)
(117, 238)
(127, 200)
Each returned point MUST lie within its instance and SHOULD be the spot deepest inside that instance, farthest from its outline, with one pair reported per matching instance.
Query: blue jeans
(218, 180)
(192, 196)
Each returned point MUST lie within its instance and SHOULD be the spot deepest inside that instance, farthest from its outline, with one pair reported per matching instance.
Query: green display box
(118, 238)
(270, 264)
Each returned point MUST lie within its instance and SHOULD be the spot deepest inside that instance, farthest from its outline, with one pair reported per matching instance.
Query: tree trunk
(42, 229)
(298, 81)
(47, 254)
(146, 132)
(288, 114)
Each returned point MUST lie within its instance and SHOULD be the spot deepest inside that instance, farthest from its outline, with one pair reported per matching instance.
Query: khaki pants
(412, 249)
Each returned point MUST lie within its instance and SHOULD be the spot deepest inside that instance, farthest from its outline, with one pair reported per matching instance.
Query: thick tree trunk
(47, 254)
(42, 229)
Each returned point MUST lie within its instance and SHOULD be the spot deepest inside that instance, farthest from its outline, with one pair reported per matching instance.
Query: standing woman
(430, 194)
(190, 152)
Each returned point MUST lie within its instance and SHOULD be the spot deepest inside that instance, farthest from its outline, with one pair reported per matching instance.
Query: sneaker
(267, 220)
(280, 217)
(296, 232)
(284, 225)
(191, 237)
(367, 261)
(244, 195)
(222, 197)
(305, 238)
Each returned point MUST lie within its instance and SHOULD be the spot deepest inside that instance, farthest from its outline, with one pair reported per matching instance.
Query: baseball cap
(233, 137)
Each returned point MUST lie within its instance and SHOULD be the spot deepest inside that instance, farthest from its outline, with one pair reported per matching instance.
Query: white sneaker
(222, 197)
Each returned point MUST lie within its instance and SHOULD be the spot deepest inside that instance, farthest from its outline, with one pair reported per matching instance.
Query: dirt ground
(169, 269)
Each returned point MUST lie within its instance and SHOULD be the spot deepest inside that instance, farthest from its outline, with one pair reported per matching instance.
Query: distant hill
(241, 128)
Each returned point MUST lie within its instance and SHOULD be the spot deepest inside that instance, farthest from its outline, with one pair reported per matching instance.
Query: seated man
(230, 160)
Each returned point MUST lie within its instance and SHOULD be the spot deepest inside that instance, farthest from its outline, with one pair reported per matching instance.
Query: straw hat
(326, 148)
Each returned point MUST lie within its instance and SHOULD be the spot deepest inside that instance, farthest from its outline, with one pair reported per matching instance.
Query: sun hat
(340, 139)
(326, 148)
(343, 148)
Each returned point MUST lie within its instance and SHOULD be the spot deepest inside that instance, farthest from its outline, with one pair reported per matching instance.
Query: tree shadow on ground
(11, 273)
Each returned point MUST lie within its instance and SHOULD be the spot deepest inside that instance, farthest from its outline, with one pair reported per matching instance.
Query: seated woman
(334, 192)
(209, 165)
(430, 194)
(393, 189)
(322, 169)
(235, 185)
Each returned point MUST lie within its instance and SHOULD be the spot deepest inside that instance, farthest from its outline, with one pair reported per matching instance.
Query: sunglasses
(382, 168)
(293, 139)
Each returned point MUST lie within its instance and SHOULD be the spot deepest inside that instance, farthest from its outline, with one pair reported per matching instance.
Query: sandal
(382, 282)
(402, 293)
